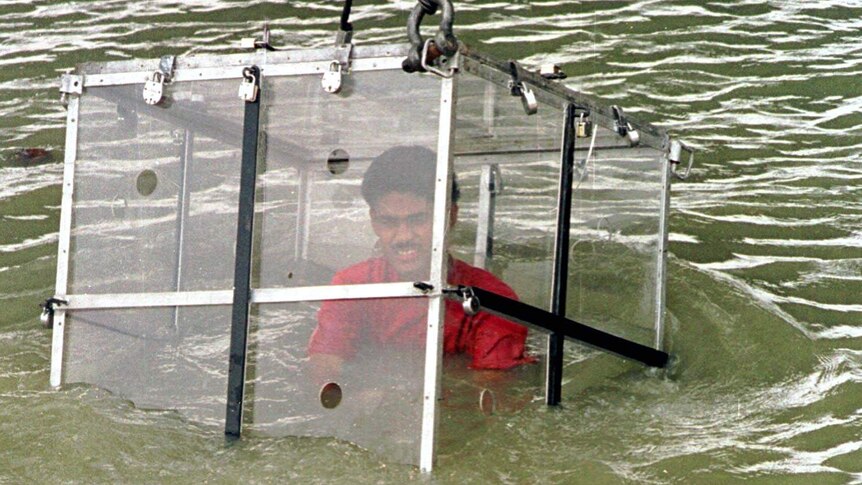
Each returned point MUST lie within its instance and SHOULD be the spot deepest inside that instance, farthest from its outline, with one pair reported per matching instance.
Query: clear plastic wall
(314, 228)
(155, 211)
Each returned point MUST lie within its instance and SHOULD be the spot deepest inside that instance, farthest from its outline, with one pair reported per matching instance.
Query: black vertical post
(242, 266)
(554, 383)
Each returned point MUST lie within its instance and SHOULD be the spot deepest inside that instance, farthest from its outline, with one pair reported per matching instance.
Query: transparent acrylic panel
(615, 232)
(154, 210)
(337, 369)
(161, 358)
(155, 189)
(313, 219)
(492, 130)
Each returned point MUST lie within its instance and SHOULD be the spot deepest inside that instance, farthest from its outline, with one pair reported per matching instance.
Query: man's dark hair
(404, 169)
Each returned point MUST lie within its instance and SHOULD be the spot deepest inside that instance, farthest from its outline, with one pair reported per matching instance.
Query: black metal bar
(242, 266)
(559, 290)
(537, 318)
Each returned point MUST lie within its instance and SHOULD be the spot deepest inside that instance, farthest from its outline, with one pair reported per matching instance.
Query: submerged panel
(349, 380)
(154, 210)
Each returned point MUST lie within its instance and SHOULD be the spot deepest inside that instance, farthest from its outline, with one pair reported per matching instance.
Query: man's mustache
(405, 247)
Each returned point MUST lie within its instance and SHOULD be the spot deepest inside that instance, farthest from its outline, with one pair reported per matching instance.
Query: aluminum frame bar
(65, 236)
(439, 273)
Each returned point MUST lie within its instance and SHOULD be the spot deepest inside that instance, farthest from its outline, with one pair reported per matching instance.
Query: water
(765, 270)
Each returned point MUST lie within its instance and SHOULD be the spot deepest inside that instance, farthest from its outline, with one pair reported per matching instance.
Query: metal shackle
(444, 41)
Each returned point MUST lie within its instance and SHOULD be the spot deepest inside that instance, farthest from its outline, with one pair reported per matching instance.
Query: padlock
(47, 317)
(528, 100)
(248, 89)
(584, 127)
(331, 81)
(633, 135)
(154, 88)
(470, 305)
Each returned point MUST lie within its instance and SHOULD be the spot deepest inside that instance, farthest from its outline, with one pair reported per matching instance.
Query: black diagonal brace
(537, 318)
(242, 265)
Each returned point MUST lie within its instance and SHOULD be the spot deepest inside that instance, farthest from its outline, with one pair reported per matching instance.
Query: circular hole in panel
(147, 182)
(337, 161)
(330, 395)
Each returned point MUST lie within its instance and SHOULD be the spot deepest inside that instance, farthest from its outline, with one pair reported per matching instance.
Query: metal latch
(551, 71)
(253, 43)
(70, 84)
(623, 127)
(48, 308)
(675, 158)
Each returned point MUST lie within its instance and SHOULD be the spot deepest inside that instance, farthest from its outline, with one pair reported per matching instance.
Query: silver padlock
(584, 127)
(331, 81)
(154, 88)
(633, 135)
(248, 89)
(528, 100)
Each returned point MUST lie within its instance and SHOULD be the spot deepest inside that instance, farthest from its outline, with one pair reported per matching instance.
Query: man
(399, 190)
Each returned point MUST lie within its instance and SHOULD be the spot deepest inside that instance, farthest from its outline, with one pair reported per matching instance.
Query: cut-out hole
(337, 161)
(330, 395)
(147, 182)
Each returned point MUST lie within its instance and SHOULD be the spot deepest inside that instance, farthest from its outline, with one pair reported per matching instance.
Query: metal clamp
(253, 43)
(439, 62)
(70, 84)
(48, 308)
(518, 88)
(444, 44)
(674, 156)
(623, 127)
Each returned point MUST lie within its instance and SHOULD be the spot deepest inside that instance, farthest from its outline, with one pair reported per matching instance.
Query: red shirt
(345, 326)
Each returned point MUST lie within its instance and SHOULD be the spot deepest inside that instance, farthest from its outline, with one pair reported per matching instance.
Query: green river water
(765, 270)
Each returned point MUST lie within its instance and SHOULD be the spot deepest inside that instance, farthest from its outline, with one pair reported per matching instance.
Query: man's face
(404, 222)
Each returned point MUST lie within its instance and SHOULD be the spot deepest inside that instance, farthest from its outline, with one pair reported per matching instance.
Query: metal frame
(439, 273)
(258, 296)
(318, 61)
(661, 263)
(489, 186)
(272, 64)
(65, 239)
